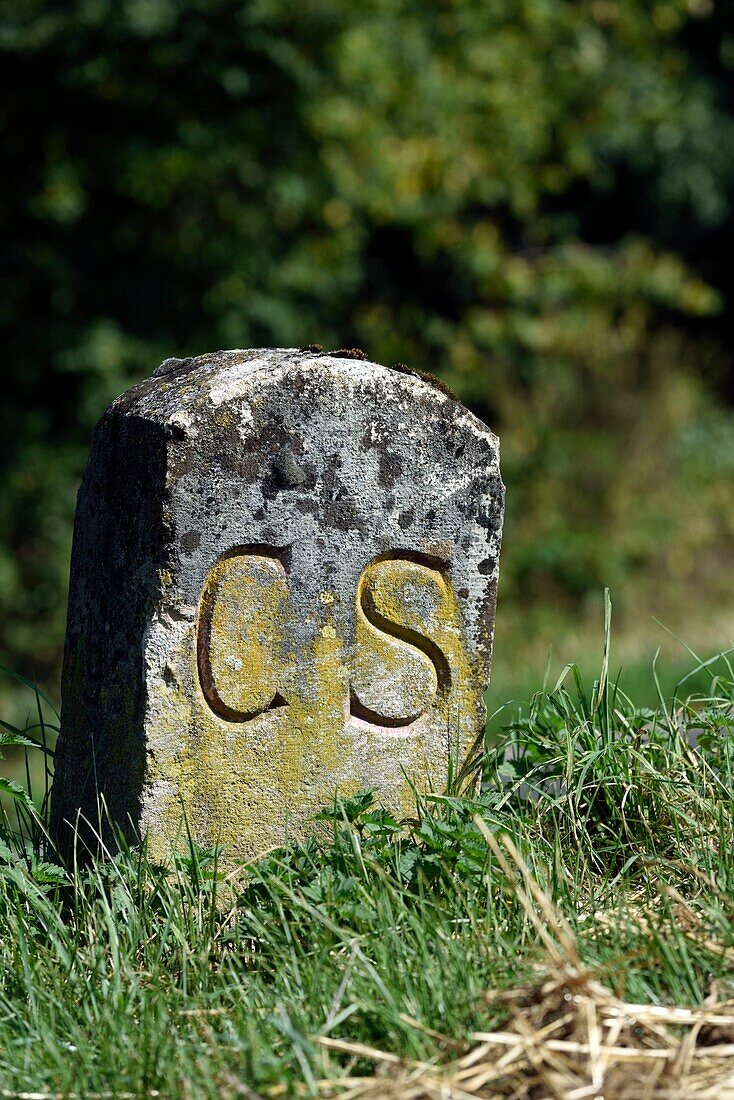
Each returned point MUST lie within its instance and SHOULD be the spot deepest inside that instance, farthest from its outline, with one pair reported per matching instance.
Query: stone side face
(283, 586)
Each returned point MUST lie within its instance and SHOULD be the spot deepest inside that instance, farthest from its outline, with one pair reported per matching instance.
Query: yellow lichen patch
(246, 783)
(411, 654)
(243, 617)
(328, 694)
(249, 782)
(205, 769)
(394, 681)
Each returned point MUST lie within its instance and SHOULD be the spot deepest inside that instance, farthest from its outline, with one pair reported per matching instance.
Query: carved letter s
(398, 669)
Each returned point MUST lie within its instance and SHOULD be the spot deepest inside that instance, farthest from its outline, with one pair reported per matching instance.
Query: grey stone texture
(283, 587)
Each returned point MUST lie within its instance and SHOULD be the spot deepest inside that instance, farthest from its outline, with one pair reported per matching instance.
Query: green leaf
(17, 793)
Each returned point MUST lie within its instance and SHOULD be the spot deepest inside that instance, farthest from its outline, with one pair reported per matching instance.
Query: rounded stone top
(195, 386)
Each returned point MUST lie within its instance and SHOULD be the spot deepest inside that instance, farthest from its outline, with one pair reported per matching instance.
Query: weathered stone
(283, 587)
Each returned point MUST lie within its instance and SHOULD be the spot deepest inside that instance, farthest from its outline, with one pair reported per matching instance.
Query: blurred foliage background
(530, 198)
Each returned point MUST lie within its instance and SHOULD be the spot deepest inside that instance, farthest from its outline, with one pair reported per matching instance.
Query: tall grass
(600, 846)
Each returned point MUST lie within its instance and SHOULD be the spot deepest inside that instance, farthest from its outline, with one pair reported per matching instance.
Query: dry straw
(567, 1038)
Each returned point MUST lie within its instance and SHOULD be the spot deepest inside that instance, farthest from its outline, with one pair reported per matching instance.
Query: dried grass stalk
(568, 1038)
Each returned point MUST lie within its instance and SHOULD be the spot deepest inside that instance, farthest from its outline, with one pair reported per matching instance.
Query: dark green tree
(526, 197)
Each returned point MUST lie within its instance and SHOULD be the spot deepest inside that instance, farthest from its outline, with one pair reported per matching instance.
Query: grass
(533, 644)
(566, 932)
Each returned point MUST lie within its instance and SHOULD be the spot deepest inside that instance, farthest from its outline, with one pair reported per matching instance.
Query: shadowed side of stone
(114, 590)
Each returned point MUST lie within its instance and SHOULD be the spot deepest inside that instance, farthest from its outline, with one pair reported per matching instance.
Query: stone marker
(283, 587)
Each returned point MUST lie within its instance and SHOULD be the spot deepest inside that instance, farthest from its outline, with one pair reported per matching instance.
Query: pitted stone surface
(283, 587)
